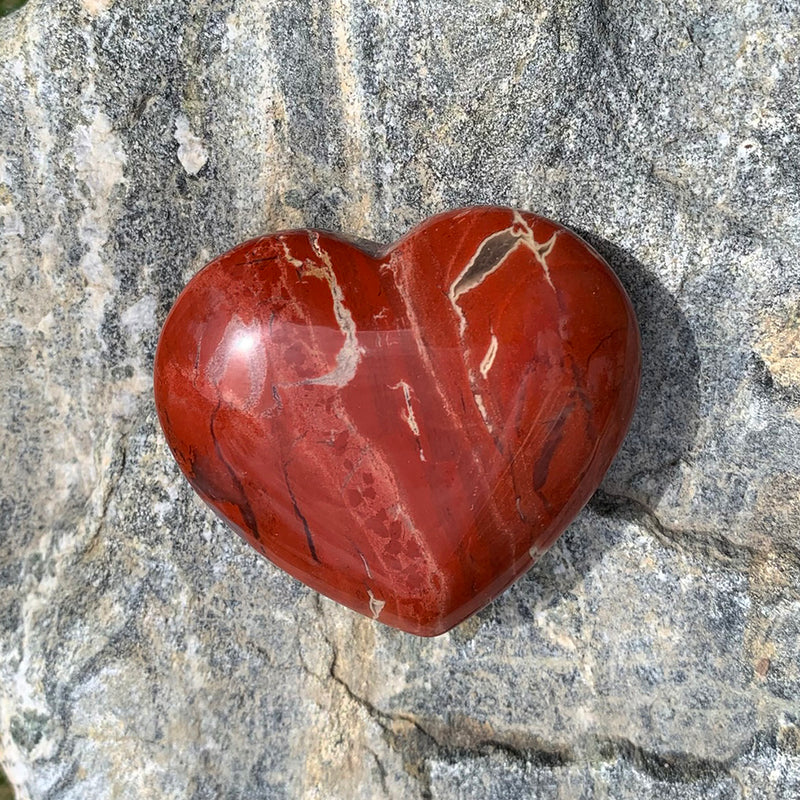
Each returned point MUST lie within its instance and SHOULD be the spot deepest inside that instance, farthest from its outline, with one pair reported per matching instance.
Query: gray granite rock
(146, 652)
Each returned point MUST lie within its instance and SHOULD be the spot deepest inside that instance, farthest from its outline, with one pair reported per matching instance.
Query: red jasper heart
(403, 429)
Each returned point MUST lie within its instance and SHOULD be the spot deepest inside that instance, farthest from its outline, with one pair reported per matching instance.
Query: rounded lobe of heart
(404, 431)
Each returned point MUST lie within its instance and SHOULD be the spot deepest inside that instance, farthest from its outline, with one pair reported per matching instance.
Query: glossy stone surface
(405, 430)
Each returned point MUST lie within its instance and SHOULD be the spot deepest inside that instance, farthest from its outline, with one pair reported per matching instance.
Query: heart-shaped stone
(403, 429)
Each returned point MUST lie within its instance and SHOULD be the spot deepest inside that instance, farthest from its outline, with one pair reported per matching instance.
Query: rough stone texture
(654, 652)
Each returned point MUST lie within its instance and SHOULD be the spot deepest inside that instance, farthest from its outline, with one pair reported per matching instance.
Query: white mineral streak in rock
(375, 605)
(540, 251)
(535, 551)
(192, 153)
(295, 262)
(356, 128)
(460, 286)
(408, 415)
(406, 287)
(482, 408)
(349, 357)
(466, 282)
(366, 566)
(99, 163)
(523, 233)
(11, 224)
(488, 359)
(57, 548)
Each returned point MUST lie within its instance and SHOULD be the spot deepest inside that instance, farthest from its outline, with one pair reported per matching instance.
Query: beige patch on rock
(779, 346)
(96, 7)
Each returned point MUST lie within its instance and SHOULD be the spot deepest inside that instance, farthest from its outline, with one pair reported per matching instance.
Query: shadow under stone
(660, 437)
(665, 424)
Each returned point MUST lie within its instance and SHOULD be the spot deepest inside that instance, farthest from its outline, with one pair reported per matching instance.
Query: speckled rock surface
(145, 652)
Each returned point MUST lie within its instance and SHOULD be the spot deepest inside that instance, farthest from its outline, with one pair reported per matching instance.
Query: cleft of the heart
(405, 430)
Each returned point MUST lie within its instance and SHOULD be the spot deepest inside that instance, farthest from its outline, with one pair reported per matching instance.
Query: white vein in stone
(488, 359)
(375, 605)
(523, 233)
(482, 408)
(349, 357)
(539, 250)
(408, 414)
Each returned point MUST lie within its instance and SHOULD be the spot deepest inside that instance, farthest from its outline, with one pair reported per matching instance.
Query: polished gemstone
(404, 429)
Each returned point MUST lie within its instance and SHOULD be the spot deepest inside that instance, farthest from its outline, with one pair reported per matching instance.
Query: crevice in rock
(704, 544)
(665, 767)
(119, 460)
(381, 772)
(419, 743)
